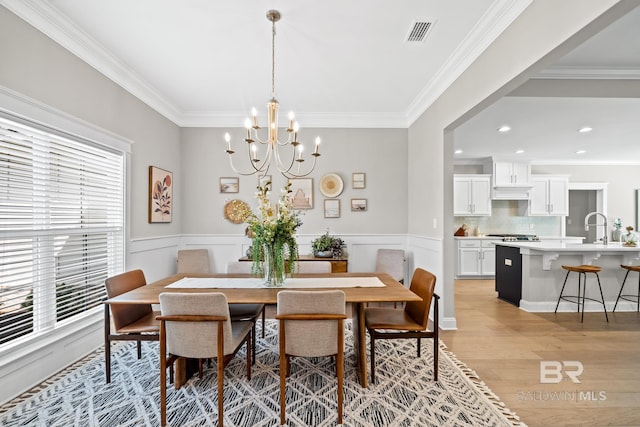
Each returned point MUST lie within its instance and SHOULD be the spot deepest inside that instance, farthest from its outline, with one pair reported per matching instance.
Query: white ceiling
(338, 64)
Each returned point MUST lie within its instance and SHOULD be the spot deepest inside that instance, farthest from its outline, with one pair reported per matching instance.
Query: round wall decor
(236, 211)
(331, 185)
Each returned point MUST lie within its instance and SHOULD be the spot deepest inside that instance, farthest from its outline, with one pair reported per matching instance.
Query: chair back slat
(423, 284)
(193, 261)
(311, 338)
(391, 261)
(197, 340)
(238, 267)
(125, 314)
(313, 267)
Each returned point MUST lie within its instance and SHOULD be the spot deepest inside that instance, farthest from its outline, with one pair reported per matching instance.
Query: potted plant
(327, 246)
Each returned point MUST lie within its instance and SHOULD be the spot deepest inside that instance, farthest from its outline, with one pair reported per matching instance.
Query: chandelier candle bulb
(291, 117)
(227, 138)
(254, 149)
(317, 145)
(254, 113)
(247, 124)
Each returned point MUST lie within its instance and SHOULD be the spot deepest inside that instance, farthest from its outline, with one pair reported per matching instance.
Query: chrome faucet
(606, 229)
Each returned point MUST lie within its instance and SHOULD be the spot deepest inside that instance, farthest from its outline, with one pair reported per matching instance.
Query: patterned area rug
(404, 395)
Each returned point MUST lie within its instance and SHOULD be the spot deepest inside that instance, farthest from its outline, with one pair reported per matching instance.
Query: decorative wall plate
(236, 211)
(331, 185)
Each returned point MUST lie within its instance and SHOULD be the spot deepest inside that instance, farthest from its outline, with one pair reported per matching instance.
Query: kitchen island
(530, 274)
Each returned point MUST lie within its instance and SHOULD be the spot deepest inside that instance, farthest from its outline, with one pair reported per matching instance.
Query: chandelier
(263, 152)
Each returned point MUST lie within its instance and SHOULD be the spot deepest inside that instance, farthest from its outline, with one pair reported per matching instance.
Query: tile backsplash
(510, 216)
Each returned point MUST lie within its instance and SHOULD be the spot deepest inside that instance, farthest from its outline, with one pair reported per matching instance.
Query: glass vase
(273, 267)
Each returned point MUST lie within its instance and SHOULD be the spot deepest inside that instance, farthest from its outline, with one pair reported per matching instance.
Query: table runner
(289, 282)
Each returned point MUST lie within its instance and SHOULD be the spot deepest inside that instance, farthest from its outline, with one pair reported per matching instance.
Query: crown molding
(307, 120)
(47, 18)
(43, 16)
(589, 73)
(499, 16)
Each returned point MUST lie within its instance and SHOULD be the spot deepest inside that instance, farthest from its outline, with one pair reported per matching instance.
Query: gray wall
(39, 68)
(380, 153)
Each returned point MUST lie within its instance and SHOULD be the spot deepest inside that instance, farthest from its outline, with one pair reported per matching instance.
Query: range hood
(511, 193)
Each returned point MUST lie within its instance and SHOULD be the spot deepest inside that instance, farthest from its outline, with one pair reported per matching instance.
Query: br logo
(551, 371)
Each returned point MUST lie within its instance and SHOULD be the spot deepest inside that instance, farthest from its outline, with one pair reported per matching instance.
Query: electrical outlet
(435, 223)
(531, 226)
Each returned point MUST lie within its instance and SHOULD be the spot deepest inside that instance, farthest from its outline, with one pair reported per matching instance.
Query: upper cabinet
(511, 174)
(549, 195)
(472, 195)
(511, 179)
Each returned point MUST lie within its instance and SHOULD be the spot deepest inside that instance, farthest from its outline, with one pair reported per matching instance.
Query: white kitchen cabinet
(511, 174)
(476, 257)
(472, 195)
(488, 258)
(549, 196)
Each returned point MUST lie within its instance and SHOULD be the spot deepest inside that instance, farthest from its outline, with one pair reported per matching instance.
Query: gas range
(517, 237)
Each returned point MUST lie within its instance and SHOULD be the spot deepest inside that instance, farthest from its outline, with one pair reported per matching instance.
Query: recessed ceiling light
(519, 151)
(585, 129)
(581, 151)
(504, 128)
(458, 152)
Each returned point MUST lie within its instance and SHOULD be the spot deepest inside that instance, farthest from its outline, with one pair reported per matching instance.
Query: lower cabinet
(476, 257)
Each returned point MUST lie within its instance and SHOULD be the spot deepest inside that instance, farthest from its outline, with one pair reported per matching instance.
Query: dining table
(360, 290)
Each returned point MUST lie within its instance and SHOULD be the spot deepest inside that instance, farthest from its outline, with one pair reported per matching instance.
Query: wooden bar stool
(582, 271)
(629, 268)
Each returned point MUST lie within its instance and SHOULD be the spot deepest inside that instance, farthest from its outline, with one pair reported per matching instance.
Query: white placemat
(289, 282)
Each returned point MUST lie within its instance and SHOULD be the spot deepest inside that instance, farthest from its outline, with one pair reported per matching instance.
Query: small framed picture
(265, 181)
(358, 205)
(229, 184)
(358, 180)
(302, 193)
(332, 208)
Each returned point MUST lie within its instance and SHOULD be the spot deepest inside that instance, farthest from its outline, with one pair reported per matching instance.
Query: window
(61, 227)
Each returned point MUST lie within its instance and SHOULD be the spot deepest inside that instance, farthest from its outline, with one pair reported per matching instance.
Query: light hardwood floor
(504, 346)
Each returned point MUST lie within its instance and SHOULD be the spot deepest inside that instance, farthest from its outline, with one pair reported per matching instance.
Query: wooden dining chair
(412, 322)
(132, 322)
(391, 261)
(197, 326)
(311, 325)
(246, 311)
(303, 267)
(193, 261)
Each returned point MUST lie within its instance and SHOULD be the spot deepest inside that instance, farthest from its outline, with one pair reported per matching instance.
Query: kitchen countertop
(590, 252)
(572, 247)
(485, 237)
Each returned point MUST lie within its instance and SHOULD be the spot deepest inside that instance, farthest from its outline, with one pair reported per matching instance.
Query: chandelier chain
(273, 59)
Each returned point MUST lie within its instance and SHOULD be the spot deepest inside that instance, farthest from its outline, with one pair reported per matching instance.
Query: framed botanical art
(301, 193)
(160, 195)
(229, 184)
(332, 208)
(358, 205)
(358, 180)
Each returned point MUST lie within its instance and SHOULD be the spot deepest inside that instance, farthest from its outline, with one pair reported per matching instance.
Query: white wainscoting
(157, 256)
(426, 253)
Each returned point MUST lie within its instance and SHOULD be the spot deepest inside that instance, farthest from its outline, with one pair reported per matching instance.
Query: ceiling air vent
(419, 30)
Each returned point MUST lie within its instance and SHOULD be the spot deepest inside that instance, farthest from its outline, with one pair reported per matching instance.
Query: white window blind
(61, 228)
